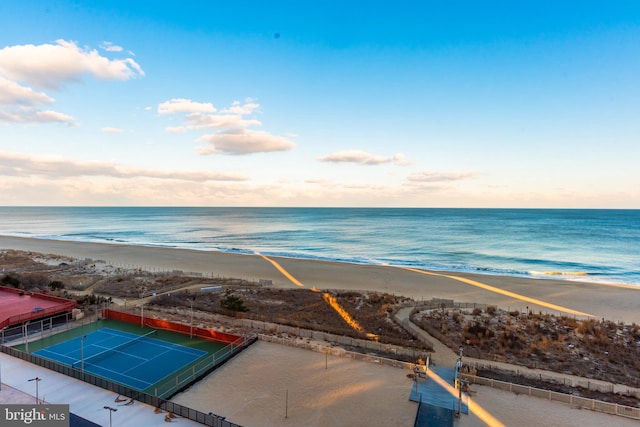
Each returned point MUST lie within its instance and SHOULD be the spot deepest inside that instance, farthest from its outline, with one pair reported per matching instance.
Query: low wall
(275, 328)
(336, 351)
(554, 377)
(574, 401)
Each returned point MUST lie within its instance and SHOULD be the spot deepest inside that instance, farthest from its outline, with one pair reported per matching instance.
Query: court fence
(35, 329)
(208, 419)
(571, 400)
(188, 376)
(201, 368)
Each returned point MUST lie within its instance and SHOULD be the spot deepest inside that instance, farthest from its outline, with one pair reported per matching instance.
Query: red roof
(17, 306)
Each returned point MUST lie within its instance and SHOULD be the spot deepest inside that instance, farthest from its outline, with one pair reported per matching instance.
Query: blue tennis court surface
(133, 360)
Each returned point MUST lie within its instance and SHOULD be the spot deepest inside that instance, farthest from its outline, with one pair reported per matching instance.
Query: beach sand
(617, 303)
(252, 389)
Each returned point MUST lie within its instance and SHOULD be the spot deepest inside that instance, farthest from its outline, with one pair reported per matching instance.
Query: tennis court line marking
(113, 351)
(174, 347)
(43, 351)
(92, 368)
(145, 361)
(154, 341)
(502, 292)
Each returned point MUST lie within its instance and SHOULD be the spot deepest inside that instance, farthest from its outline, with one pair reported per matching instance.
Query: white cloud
(49, 66)
(11, 93)
(430, 176)
(16, 164)
(181, 105)
(21, 115)
(243, 110)
(219, 121)
(111, 130)
(231, 133)
(363, 158)
(244, 141)
(110, 47)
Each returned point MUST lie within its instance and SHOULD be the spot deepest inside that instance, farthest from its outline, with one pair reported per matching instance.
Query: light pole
(142, 307)
(37, 380)
(82, 353)
(459, 383)
(111, 410)
(191, 327)
(25, 331)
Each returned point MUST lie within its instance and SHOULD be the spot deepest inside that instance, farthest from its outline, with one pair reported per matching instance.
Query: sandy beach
(266, 372)
(600, 300)
(612, 302)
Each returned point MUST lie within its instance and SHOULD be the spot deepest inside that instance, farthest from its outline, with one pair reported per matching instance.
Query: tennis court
(138, 361)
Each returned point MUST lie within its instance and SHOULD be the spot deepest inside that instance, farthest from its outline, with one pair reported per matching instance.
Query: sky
(289, 103)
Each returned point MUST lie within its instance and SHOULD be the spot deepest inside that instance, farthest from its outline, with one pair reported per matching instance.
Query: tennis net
(99, 356)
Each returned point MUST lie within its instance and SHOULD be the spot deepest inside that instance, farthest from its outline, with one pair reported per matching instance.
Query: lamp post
(191, 325)
(459, 382)
(111, 410)
(142, 307)
(25, 331)
(82, 353)
(37, 380)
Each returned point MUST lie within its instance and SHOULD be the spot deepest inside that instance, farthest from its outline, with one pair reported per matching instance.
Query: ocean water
(573, 244)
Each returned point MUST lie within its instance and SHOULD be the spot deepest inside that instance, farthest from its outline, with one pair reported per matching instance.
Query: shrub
(56, 285)
(8, 280)
(233, 303)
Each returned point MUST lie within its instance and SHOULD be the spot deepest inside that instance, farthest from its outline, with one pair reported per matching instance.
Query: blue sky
(417, 104)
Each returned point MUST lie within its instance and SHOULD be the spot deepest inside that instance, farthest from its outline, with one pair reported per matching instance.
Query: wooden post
(286, 404)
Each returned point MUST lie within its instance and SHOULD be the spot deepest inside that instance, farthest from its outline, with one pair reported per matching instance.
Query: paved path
(442, 355)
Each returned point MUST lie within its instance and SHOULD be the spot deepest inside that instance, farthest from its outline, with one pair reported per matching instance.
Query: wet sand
(617, 303)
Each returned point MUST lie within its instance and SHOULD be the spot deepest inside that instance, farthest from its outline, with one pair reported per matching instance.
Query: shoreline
(571, 276)
(610, 301)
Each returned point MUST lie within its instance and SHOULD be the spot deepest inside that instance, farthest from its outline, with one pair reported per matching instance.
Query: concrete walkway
(442, 355)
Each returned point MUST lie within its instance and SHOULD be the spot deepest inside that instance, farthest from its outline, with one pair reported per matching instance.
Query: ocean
(571, 244)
